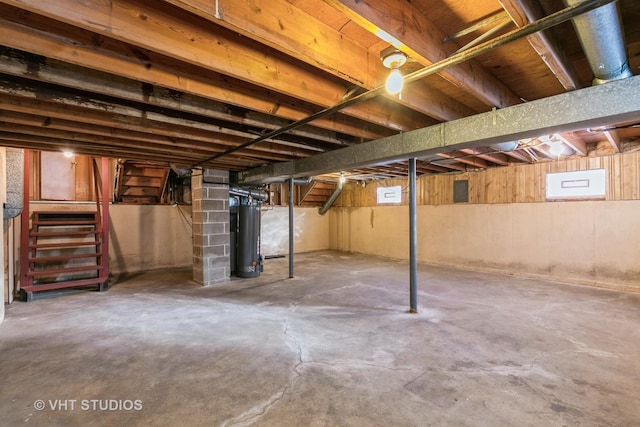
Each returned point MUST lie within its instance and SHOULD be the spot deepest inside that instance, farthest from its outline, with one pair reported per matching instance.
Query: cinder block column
(210, 213)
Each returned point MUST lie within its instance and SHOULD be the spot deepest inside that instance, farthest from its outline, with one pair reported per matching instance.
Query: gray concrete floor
(332, 347)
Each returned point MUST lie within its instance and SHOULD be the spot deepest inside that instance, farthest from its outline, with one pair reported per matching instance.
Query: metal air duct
(255, 194)
(323, 210)
(601, 37)
(14, 183)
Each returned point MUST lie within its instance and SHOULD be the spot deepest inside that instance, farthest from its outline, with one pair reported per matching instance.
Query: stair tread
(64, 257)
(53, 223)
(63, 233)
(315, 198)
(63, 245)
(63, 284)
(76, 269)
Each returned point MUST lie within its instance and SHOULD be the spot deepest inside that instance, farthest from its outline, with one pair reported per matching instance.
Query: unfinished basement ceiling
(183, 81)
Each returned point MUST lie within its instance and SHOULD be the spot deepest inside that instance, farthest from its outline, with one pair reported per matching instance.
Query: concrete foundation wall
(3, 195)
(149, 237)
(275, 230)
(589, 242)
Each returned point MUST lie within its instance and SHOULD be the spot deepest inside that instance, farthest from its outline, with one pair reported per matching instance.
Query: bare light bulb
(67, 153)
(394, 82)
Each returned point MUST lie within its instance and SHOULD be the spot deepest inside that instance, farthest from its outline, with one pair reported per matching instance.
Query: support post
(413, 239)
(106, 197)
(291, 235)
(211, 227)
(24, 226)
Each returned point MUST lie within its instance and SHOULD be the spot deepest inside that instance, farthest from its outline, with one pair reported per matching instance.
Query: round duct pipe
(505, 146)
(323, 210)
(254, 194)
(600, 34)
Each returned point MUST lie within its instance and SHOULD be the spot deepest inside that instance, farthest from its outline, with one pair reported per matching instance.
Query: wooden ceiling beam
(284, 27)
(457, 166)
(66, 137)
(6, 141)
(576, 143)
(129, 152)
(466, 159)
(13, 122)
(213, 49)
(56, 72)
(614, 140)
(518, 155)
(497, 158)
(416, 35)
(434, 168)
(83, 52)
(101, 114)
(522, 12)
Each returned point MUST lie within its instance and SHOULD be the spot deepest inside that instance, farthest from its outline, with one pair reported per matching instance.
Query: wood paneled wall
(83, 184)
(509, 184)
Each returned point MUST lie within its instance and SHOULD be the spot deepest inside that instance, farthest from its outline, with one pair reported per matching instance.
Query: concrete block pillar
(210, 213)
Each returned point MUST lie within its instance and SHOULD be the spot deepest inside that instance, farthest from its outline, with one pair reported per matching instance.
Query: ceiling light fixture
(393, 59)
(67, 153)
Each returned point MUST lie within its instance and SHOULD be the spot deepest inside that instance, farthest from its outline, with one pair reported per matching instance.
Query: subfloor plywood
(333, 346)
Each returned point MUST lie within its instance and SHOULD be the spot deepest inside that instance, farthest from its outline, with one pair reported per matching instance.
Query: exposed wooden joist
(543, 152)
(40, 125)
(466, 159)
(519, 155)
(81, 51)
(422, 40)
(97, 113)
(576, 143)
(433, 168)
(59, 73)
(523, 12)
(614, 139)
(81, 147)
(282, 26)
(497, 158)
(594, 106)
(221, 51)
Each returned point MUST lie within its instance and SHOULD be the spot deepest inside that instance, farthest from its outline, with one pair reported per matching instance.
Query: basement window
(577, 185)
(389, 194)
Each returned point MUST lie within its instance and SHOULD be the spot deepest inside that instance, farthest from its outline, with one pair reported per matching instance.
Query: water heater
(248, 262)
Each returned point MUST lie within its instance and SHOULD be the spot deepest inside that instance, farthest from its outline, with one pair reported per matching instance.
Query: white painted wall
(275, 230)
(589, 242)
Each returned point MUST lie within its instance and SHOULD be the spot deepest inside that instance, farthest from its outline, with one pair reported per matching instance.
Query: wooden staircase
(141, 182)
(65, 249)
(315, 193)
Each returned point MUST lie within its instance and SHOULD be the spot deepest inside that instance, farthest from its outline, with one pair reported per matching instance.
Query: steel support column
(25, 280)
(106, 197)
(413, 239)
(291, 235)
